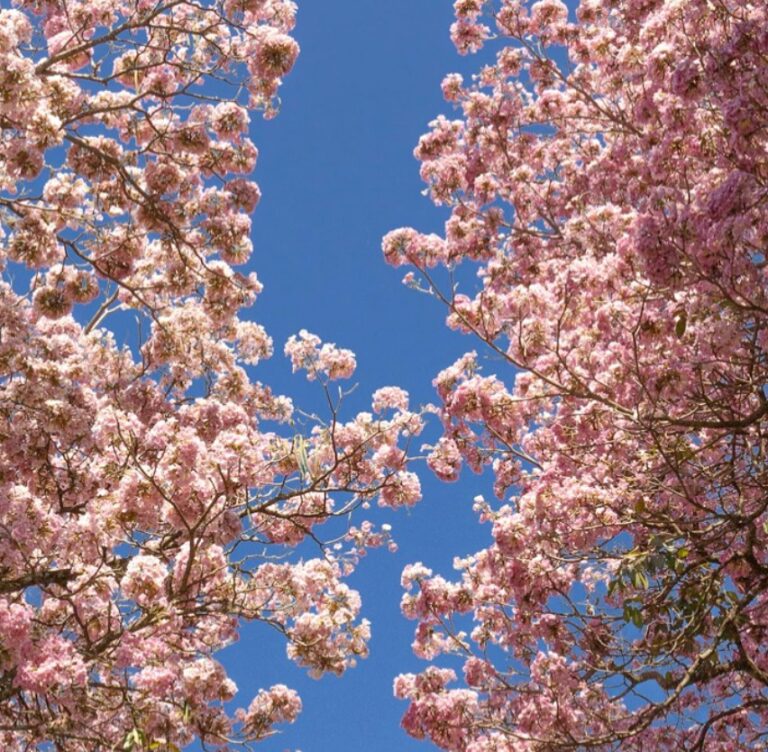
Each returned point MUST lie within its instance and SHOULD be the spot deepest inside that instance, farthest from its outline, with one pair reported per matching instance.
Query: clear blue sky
(337, 173)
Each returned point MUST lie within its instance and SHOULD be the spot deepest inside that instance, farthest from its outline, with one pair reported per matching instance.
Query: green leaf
(633, 615)
(639, 580)
(133, 739)
(680, 324)
(300, 453)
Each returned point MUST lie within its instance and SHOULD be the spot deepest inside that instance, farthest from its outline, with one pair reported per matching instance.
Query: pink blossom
(390, 398)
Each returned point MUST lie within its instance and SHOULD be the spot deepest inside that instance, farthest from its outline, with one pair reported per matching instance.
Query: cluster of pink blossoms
(140, 490)
(308, 353)
(607, 179)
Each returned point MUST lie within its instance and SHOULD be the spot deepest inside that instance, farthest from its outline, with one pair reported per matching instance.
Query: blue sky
(337, 173)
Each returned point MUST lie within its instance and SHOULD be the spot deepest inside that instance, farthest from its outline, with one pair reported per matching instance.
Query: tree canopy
(605, 176)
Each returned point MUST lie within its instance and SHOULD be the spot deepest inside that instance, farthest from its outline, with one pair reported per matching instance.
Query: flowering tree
(608, 182)
(150, 497)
